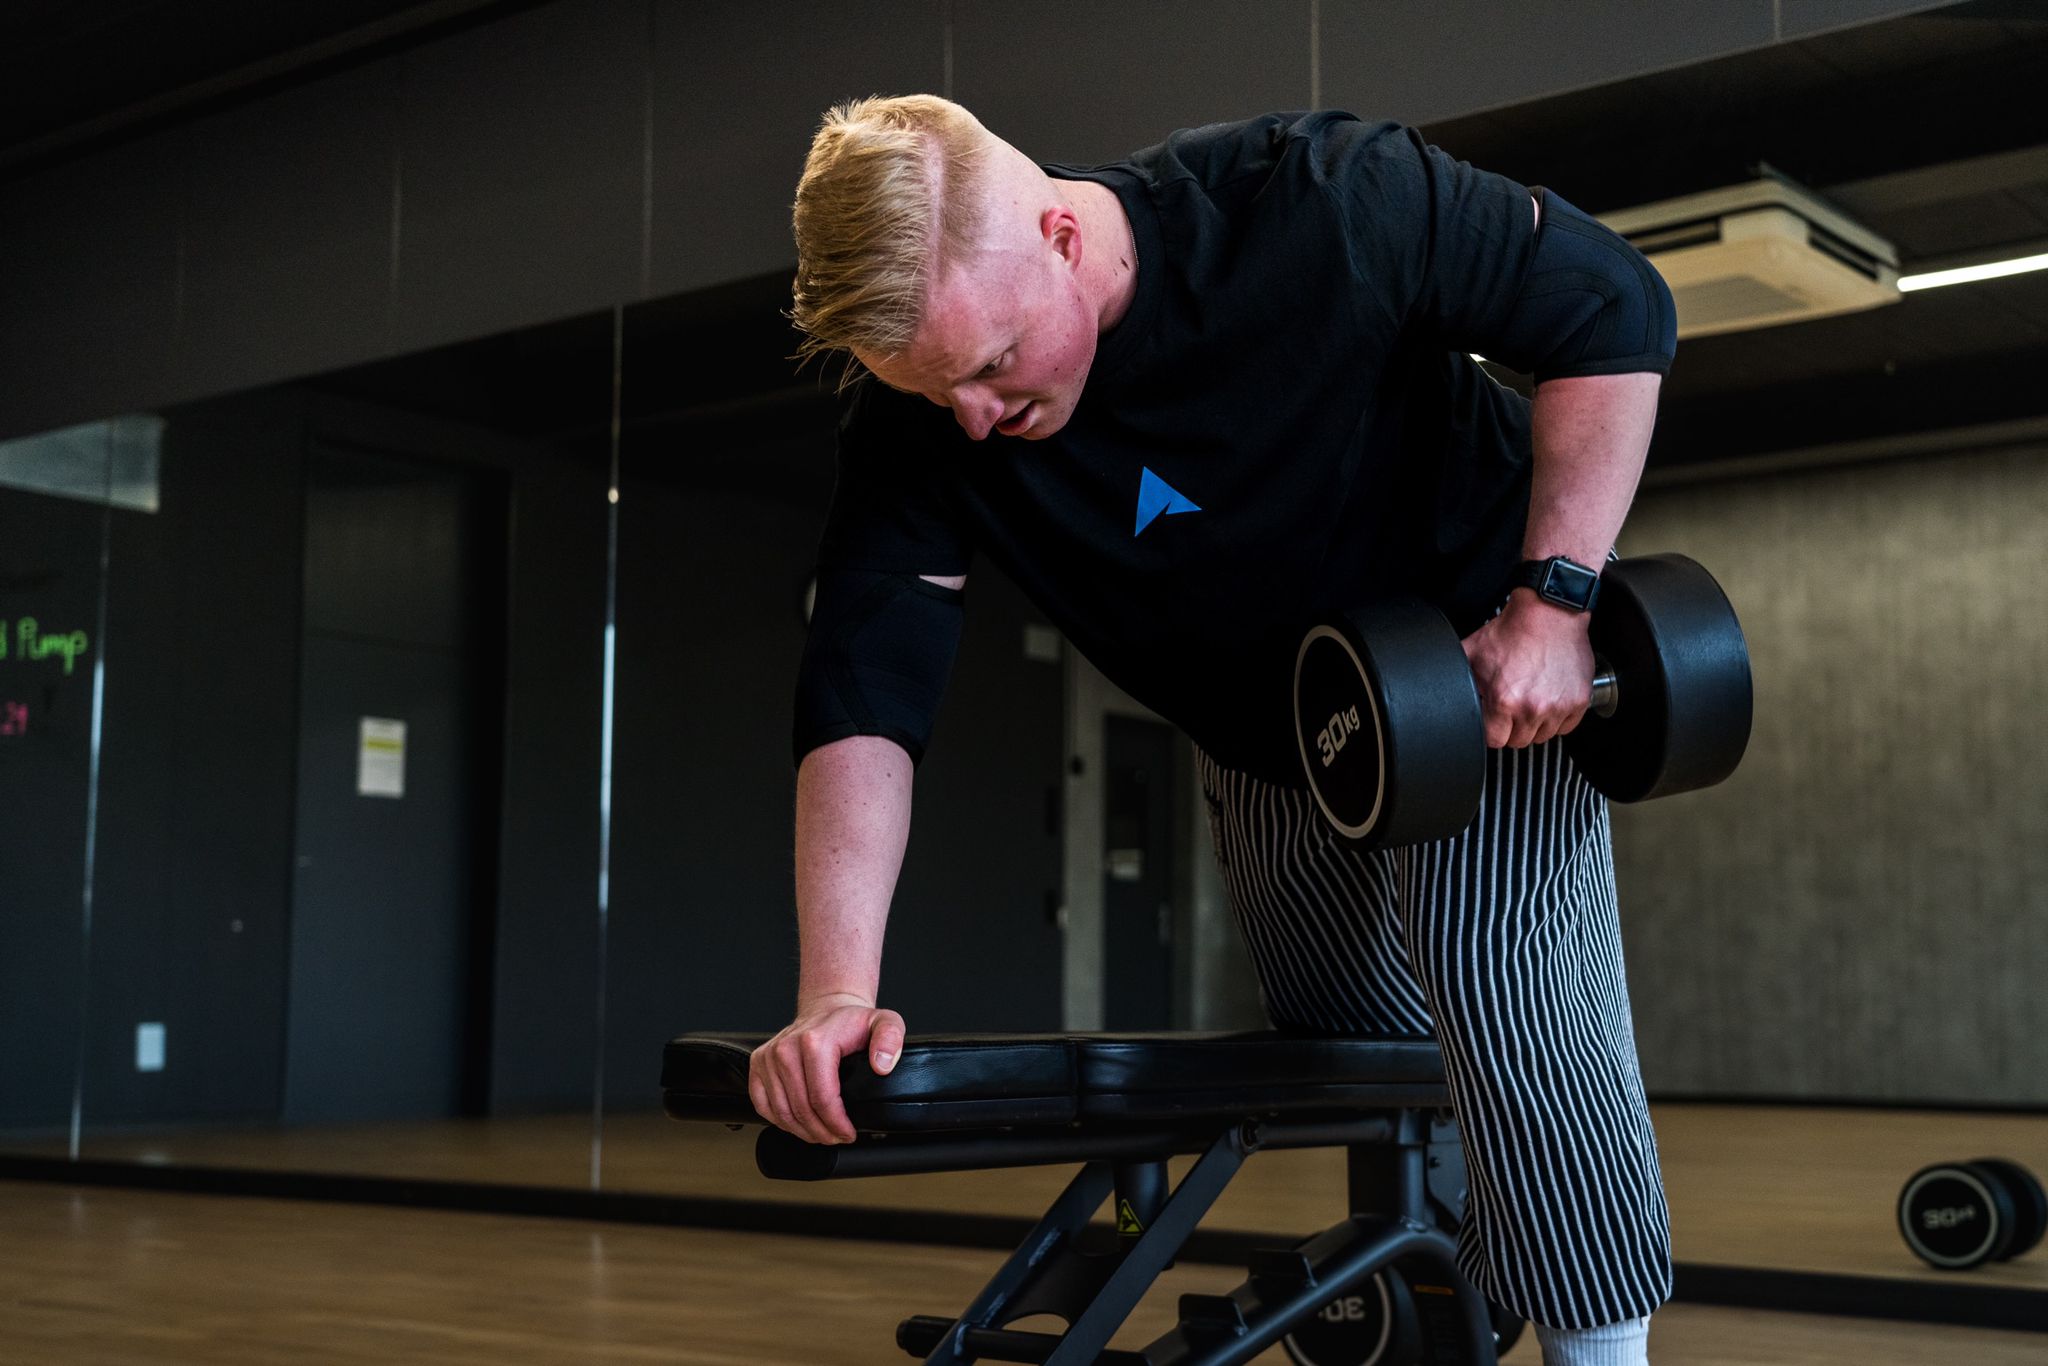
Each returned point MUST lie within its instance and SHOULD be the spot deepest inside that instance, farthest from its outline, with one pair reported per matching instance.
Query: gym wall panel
(545, 966)
(287, 218)
(194, 858)
(544, 1021)
(1091, 86)
(737, 94)
(49, 571)
(1419, 60)
(1857, 912)
(1800, 18)
(192, 875)
(521, 180)
(89, 270)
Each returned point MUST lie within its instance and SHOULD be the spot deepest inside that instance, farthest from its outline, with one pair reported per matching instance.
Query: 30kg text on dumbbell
(1343, 725)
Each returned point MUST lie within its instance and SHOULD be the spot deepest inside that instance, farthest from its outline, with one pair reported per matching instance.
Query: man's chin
(1045, 426)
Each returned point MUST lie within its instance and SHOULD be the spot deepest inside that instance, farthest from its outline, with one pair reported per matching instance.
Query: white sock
(1613, 1344)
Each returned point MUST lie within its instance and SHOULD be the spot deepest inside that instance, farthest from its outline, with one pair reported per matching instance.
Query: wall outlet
(149, 1048)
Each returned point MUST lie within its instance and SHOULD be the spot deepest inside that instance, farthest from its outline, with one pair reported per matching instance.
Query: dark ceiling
(1930, 129)
(74, 73)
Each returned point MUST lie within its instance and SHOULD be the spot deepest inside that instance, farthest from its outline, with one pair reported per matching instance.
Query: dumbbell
(1388, 1322)
(1956, 1215)
(1394, 745)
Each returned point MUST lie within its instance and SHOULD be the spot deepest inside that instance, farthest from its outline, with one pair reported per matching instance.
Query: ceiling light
(1963, 275)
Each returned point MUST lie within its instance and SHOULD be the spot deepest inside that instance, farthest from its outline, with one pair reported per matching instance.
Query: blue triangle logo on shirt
(1156, 499)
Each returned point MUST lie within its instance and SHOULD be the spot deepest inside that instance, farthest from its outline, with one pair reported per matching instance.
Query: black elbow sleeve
(1593, 305)
(876, 661)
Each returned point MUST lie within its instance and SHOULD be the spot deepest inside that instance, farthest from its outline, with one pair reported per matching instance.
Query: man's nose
(977, 413)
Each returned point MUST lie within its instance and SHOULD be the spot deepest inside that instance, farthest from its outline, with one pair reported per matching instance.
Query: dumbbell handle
(1606, 689)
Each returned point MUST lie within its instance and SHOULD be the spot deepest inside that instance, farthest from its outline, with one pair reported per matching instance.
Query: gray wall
(546, 942)
(193, 863)
(50, 572)
(592, 152)
(1862, 910)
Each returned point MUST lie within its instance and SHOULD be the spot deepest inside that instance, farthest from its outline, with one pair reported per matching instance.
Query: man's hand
(793, 1079)
(1534, 667)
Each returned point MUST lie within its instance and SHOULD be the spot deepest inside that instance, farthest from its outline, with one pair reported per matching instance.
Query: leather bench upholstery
(955, 1082)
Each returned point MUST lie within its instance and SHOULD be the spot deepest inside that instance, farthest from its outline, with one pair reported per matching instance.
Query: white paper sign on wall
(380, 758)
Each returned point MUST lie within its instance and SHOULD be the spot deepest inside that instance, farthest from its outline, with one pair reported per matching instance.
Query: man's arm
(852, 823)
(1534, 663)
(852, 826)
(1589, 436)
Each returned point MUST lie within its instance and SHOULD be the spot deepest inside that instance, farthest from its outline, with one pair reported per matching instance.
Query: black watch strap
(1563, 581)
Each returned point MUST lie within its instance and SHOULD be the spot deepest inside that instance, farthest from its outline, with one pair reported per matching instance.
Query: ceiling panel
(80, 70)
(1964, 224)
(2035, 197)
(1956, 35)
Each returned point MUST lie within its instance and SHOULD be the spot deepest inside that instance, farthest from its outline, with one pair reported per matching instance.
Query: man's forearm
(1591, 435)
(852, 823)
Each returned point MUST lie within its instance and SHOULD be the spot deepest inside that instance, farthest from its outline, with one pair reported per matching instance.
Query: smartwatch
(1563, 581)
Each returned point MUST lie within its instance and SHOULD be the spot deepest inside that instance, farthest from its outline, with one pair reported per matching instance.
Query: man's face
(1006, 343)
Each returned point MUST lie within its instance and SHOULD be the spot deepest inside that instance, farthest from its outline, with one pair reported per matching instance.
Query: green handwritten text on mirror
(26, 641)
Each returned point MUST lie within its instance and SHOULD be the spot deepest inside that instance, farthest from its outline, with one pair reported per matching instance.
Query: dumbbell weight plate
(1956, 1215)
(1376, 1326)
(1388, 721)
(1507, 1327)
(2030, 1205)
(1682, 722)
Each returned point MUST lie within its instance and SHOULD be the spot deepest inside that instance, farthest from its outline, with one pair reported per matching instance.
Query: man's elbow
(1592, 304)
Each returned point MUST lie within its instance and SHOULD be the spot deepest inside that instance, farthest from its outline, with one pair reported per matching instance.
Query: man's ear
(1062, 232)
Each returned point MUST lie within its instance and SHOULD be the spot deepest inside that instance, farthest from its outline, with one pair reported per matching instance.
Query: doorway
(395, 848)
(1137, 874)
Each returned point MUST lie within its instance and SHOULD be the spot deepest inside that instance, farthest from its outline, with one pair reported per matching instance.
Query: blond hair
(888, 198)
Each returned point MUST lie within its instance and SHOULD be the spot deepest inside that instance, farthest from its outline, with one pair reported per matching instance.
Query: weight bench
(1121, 1105)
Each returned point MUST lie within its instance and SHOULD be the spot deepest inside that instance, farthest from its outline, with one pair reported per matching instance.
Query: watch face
(1567, 582)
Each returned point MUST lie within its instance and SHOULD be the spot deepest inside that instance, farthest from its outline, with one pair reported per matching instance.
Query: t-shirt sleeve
(1443, 250)
(890, 509)
(1434, 243)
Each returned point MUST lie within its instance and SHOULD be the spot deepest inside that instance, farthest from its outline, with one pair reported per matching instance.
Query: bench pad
(991, 1081)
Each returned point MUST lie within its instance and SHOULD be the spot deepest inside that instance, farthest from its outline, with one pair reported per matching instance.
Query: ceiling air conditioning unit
(1759, 254)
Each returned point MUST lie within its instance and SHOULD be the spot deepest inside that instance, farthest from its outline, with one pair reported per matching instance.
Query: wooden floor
(137, 1278)
(1795, 1188)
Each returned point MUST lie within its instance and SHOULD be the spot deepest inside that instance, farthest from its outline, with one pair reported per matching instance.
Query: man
(1190, 402)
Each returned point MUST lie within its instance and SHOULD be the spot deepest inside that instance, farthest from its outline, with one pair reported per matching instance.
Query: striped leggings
(1504, 942)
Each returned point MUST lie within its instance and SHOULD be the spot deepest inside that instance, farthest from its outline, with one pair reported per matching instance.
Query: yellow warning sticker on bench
(1128, 1225)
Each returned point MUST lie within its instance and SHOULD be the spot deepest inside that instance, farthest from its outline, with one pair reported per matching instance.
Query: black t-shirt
(1286, 421)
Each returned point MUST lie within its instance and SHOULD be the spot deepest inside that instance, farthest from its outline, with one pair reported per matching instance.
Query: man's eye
(992, 366)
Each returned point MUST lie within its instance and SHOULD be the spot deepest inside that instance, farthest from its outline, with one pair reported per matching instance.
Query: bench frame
(1390, 1222)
